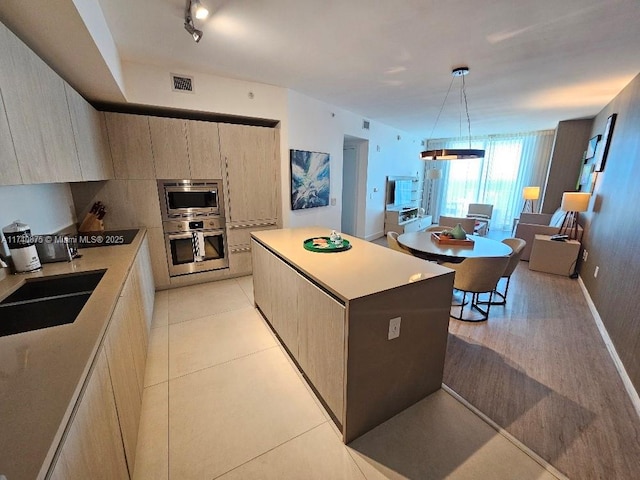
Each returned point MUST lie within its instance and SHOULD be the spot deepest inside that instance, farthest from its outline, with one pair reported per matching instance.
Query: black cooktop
(108, 238)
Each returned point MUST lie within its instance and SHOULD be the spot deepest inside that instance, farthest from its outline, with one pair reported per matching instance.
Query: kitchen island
(47, 375)
(366, 326)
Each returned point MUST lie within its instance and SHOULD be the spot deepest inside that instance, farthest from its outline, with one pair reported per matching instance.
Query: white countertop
(363, 270)
(42, 371)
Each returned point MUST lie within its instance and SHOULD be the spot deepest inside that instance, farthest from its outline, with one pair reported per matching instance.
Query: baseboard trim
(374, 236)
(624, 376)
(534, 456)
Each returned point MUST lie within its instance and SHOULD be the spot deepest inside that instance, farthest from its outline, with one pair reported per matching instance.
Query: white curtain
(511, 163)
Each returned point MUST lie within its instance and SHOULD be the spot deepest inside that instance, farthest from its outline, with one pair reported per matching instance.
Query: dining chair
(392, 242)
(468, 224)
(480, 211)
(517, 245)
(476, 275)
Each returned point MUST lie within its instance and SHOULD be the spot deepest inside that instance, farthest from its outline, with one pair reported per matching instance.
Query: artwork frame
(310, 179)
(592, 146)
(603, 150)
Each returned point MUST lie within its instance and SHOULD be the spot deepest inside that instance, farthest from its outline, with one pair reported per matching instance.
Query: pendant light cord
(442, 107)
(466, 108)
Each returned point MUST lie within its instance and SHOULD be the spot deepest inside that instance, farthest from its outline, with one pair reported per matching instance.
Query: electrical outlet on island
(394, 328)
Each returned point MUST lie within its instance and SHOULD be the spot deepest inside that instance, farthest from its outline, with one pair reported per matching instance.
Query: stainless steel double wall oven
(194, 225)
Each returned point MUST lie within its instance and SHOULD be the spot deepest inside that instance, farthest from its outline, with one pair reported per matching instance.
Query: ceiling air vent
(181, 83)
(365, 124)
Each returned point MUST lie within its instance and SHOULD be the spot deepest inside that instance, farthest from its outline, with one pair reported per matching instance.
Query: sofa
(532, 224)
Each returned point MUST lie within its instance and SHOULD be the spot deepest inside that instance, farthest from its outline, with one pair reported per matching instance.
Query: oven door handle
(179, 236)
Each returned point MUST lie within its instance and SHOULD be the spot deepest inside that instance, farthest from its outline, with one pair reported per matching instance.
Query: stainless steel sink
(46, 302)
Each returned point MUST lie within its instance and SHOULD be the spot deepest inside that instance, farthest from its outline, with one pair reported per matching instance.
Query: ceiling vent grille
(181, 83)
(365, 124)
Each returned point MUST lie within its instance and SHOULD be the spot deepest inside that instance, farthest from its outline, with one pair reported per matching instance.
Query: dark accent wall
(612, 231)
(566, 161)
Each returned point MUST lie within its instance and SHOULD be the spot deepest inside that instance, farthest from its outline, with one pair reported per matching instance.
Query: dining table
(427, 246)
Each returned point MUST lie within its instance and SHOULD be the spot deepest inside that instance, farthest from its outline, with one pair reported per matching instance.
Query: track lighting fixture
(200, 13)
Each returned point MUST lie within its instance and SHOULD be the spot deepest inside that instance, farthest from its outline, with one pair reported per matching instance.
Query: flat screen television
(402, 192)
(399, 192)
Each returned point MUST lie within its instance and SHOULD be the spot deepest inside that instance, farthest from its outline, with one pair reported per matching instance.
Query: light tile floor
(223, 400)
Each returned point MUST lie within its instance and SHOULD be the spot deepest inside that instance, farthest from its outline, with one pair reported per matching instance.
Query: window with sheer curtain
(511, 163)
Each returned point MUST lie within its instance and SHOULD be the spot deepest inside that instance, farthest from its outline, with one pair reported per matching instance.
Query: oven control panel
(209, 223)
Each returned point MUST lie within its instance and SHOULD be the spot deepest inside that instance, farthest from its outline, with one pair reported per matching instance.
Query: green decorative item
(458, 233)
(326, 245)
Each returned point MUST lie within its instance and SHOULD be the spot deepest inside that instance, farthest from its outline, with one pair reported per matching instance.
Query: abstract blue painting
(309, 179)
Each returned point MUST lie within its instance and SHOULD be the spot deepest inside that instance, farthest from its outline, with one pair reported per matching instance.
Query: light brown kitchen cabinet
(293, 305)
(130, 143)
(137, 326)
(204, 149)
(252, 167)
(90, 134)
(37, 114)
(321, 344)
(100, 441)
(119, 346)
(276, 291)
(144, 271)
(92, 446)
(9, 170)
(169, 146)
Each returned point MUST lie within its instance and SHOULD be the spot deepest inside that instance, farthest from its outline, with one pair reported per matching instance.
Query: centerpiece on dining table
(454, 236)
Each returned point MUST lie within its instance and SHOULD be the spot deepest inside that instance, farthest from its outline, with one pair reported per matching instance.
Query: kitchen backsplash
(46, 208)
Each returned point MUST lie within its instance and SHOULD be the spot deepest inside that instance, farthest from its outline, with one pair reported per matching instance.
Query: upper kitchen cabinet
(37, 114)
(130, 142)
(169, 146)
(251, 160)
(204, 149)
(9, 171)
(90, 133)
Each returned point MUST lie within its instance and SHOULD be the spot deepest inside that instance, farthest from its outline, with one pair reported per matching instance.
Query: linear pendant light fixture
(454, 153)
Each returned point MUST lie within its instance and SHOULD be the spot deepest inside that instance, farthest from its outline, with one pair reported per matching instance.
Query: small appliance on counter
(56, 248)
(22, 247)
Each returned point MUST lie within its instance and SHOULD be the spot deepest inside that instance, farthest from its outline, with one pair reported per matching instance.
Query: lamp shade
(434, 174)
(575, 201)
(531, 193)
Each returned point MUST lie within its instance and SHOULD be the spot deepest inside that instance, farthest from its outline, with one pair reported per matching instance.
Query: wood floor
(540, 369)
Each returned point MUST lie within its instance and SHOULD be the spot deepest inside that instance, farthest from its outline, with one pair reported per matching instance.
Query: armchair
(531, 224)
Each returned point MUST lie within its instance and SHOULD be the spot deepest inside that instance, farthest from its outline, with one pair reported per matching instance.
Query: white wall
(45, 208)
(388, 155)
(320, 127)
(306, 124)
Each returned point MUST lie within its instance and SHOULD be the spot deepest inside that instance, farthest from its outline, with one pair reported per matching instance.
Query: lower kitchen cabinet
(100, 441)
(276, 292)
(119, 347)
(308, 321)
(239, 245)
(321, 344)
(93, 446)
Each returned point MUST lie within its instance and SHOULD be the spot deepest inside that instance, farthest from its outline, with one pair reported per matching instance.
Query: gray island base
(337, 313)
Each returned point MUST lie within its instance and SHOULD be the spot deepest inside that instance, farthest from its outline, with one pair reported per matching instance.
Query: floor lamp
(432, 175)
(573, 203)
(529, 194)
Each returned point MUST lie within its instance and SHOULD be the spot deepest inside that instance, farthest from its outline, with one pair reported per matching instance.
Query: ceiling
(533, 62)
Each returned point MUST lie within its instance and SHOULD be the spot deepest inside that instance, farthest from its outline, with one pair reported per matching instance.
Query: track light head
(193, 31)
(199, 11)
